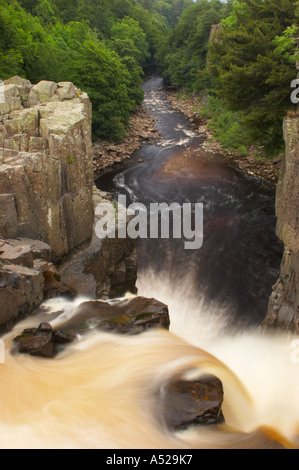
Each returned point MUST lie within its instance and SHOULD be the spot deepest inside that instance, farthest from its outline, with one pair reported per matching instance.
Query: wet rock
(283, 309)
(129, 316)
(106, 155)
(103, 269)
(21, 291)
(42, 341)
(188, 403)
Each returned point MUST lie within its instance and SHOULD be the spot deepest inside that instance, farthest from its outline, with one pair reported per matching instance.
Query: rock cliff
(46, 170)
(283, 311)
(47, 202)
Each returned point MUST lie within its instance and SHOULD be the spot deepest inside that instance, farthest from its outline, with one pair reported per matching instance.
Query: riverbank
(252, 163)
(107, 155)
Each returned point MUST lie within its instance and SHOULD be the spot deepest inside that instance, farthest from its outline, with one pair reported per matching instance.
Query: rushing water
(101, 393)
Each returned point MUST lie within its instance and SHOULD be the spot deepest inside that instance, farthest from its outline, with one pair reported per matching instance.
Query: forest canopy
(241, 55)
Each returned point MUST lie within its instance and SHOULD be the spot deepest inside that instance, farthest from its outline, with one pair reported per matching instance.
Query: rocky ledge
(187, 403)
(27, 278)
(130, 316)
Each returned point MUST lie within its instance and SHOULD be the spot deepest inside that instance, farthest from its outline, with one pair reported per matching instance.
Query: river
(101, 393)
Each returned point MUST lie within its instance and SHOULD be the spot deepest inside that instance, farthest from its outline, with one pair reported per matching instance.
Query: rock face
(27, 278)
(46, 171)
(21, 291)
(283, 312)
(104, 269)
(195, 402)
(130, 316)
(42, 341)
(47, 203)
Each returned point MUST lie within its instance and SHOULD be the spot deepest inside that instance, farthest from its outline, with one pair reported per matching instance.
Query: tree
(100, 73)
(251, 71)
(183, 54)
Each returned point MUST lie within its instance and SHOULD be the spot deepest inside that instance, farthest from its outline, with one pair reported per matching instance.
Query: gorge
(106, 384)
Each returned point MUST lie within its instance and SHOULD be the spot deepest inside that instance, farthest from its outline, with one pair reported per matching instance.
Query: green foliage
(245, 67)
(103, 76)
(183, 54)
(227, 126)
(129, 41)
(252, 66)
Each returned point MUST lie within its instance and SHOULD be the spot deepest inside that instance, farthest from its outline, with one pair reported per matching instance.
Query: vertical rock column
(46, 173)
(46, 187)
(283, 311)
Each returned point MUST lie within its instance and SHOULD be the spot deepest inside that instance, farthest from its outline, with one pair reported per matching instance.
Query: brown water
(102, 392)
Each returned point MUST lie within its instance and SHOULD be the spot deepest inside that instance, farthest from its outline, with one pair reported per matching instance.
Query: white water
(101, 392)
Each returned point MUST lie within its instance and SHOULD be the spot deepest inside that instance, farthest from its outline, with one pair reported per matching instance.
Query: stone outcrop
(283, 311)
(21, 291)
(46, 169)
(27, 278)
(192, 402)
(47, 203)
(42, 341)
(130, 316)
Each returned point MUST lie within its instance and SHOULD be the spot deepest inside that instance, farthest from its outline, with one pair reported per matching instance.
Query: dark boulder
(42, 341)
(195, 402)
(129, 316)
